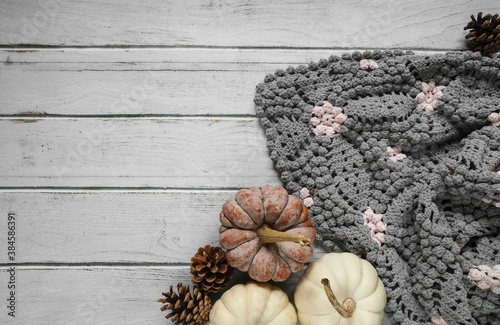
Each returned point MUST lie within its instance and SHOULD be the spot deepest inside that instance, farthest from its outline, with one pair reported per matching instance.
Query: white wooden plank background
(89, 226)
(100, 294)
(126, 125)
(262, 23)
(134, 152)
(162, 82)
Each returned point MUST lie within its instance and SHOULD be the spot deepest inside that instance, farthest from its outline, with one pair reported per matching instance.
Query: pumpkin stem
(347, 308)
(267, 235)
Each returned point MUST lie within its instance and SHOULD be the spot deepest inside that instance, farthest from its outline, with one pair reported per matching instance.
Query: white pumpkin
(253, 304)
(348, 277)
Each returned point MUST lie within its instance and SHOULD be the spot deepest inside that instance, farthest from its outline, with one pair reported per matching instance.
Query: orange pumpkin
(266, 233)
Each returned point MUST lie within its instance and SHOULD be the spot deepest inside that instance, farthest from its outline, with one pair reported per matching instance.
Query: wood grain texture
(102, 295)
(292, 23)
(91, 295)
(161, 82)
(113, 226)
(139, 152)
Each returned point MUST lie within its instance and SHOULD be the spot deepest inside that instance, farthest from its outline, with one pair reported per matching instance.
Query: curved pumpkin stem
(347, 308)
(267, 235)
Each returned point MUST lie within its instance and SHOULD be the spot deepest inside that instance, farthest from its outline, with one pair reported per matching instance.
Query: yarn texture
(406, 177)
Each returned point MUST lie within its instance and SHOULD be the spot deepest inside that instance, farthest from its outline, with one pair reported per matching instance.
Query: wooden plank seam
(75, 157)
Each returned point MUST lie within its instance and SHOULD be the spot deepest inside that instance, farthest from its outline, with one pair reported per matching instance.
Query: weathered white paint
(90, 295)
(102, 295)
(124, 92)
(113, 226)
(320, 23)
(134, 152)
(147, 81)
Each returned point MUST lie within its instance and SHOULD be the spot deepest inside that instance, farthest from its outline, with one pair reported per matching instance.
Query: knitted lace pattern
(406, 177)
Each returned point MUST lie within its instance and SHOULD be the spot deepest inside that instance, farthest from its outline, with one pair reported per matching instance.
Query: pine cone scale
(209, 264)
(481, 38)
(484, 34)
(198, 259)
(184, 314)
(187, 308)
(223, 268)
(219, 281)
(471, 34)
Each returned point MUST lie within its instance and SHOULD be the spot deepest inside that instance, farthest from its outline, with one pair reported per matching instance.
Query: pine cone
(485, 33)
(210, 268)
(187, 309)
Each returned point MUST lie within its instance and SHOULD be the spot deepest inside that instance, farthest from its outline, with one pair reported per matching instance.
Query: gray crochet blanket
(396, 155)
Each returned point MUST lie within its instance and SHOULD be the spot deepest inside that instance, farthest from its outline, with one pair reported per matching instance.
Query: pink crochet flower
(395, 153)
(375, 224)
(318, 111)
(330, 131)
(315, 121)
(428, 97)
(305, 195)
(486, 277)
(308, 202)
(336, 127)
(494, 118)
(368, 64)
(335, 110)
(378, 237)
(321, 129)
(436, 321)
(495, 203)
(327, 119)
(476, 275)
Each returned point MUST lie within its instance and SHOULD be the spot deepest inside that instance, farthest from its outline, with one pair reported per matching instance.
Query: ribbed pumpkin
(253, 304)
(340, 289)
(266, 233)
